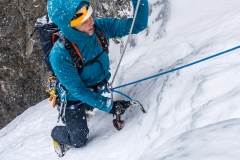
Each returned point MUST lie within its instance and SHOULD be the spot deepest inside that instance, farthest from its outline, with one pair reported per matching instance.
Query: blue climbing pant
(75, 133)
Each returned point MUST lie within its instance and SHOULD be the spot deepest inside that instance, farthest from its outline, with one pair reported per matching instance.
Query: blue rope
(175, 69)
(169, 71)
(122, 94)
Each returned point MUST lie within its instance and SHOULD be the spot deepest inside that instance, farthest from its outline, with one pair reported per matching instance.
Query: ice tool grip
(118, 123)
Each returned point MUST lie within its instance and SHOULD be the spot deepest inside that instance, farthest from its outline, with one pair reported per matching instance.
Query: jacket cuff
(109, 105)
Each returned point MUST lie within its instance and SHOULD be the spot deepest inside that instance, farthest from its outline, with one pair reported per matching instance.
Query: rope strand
(175, 69)
(130, 33)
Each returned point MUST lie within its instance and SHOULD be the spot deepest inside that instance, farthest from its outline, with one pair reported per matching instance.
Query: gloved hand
(120, 106)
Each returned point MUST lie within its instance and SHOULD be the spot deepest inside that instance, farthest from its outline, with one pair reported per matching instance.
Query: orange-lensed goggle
(81, 16)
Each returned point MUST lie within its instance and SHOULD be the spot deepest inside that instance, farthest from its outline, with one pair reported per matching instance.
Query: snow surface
(192, 114)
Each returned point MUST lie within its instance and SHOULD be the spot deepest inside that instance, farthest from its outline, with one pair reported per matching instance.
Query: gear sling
(49, 33)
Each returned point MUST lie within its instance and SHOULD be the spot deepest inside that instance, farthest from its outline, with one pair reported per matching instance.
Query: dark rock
(23, 73)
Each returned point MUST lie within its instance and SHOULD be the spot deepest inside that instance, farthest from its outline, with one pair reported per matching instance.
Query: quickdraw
(52, 90)
(61, 112)
(52, 83)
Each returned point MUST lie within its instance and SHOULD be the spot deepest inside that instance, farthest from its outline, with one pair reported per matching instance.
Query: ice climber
(75, 21)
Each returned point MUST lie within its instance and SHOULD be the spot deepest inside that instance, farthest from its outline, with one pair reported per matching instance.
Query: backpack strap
(77, 50)
(55, 37)
(74, 53)
(102, 39)
(94, 59)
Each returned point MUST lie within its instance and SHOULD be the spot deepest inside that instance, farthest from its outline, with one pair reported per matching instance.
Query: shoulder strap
(55, 37)
(102, 39)
(74, 53)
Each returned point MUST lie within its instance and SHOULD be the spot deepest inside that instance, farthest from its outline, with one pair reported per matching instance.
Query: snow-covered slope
(191, 114)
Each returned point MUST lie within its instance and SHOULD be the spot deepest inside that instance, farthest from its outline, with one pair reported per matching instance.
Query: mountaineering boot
(60, 149)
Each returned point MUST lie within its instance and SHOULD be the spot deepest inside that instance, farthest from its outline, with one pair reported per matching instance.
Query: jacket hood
(61, 13)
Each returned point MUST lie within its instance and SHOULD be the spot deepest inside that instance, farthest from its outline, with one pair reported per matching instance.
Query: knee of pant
(58, 132)
(79, 138)
(80, 142)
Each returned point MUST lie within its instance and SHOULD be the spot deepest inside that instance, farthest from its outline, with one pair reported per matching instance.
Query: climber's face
(87, 26)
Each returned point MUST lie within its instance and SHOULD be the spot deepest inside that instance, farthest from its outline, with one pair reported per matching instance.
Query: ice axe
(118, 123)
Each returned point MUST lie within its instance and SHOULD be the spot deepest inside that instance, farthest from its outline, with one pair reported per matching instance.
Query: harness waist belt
(74, 104)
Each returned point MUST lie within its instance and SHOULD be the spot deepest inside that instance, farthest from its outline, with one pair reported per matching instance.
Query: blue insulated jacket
(61, 13)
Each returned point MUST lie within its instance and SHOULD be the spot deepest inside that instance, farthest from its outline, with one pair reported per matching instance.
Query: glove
(119, 107)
